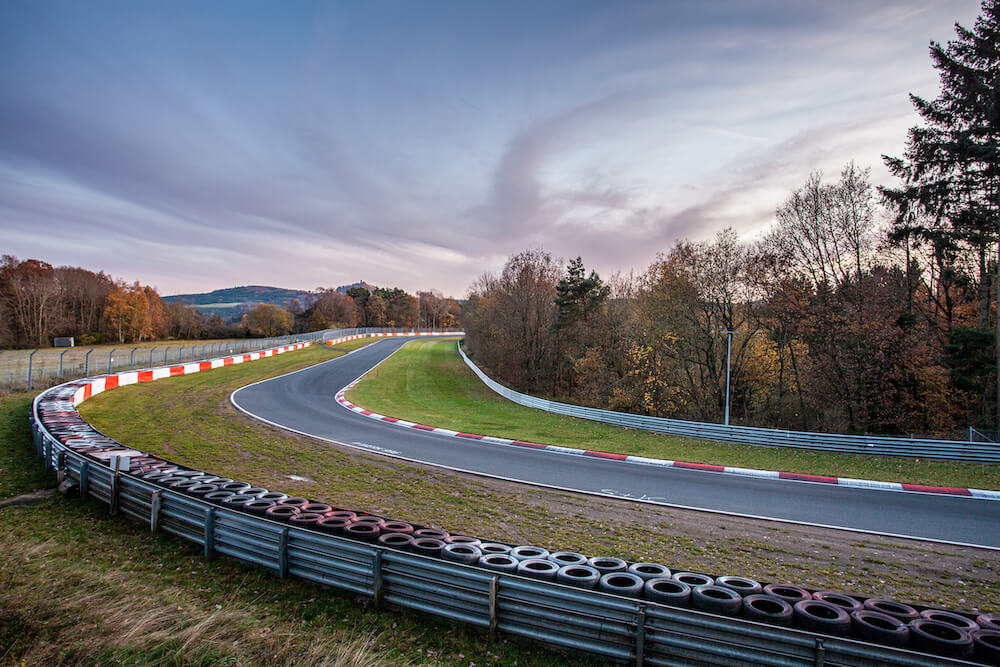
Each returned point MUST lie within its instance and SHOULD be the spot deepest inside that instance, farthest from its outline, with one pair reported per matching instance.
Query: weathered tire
(494, 548)
(461, 553)
(986, 646)
(741, 585)
(397, 527)
(202, 489)
(273, 496)
(366, 531)
(239, 500)
(667, 591)
(295, 501)
(621, 583)
(874, 626)
(281, 512)
(607, 564)
(581, 576)
(767, 609)
(537, 568)
(951, 617)
(788, 593)
(694, 579)
(941, 638)
(564, 558)
(317, 508)
(219, 496)
(432, 533)
(649, 570)
(254, 491)
(332, 524)
(373, 520)
(426, 546)
(396, 540)
(258, 506)
(823, 617)
(235, 487)
(499, 562)
(184, 484)
(848, 603)
(343, 514)
(903, 612)
(716, 599)
(527, 552)
(988, 621)
(305, 519)
(463, 539)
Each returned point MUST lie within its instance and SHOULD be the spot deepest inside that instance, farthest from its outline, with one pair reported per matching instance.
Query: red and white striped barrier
(625, 458)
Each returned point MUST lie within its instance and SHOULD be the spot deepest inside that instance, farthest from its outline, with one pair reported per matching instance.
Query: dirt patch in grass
(427, 382)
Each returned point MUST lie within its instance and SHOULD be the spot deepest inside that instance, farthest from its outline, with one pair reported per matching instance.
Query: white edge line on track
(232, 400)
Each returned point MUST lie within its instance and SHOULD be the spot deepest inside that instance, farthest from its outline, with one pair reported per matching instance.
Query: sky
(201, 145)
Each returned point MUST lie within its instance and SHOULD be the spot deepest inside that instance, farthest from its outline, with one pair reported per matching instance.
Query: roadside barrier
(854, 444)
(625, 617)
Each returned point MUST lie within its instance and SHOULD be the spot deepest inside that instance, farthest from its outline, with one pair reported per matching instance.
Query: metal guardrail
(622, 629)
(853, 444)
(618, 628)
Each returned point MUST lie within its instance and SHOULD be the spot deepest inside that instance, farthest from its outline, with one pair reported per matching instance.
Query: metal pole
(131, 358)
(151, 355)
(61, 355)
(179, 353)
(110, 359)
(729, 355)
(86, 363)
(30, 360)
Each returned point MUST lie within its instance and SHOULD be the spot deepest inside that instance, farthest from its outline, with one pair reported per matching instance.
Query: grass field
(427, 382)
(78, 587)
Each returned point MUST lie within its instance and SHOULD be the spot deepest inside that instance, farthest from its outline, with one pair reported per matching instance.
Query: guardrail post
(283, 554)
(377, 581)
(155, 503)
(640, 635)
(61, 466)
(494, 588)
(820, 653)
(84, 479)
(48, 454)
(114, 488)
(210, 533)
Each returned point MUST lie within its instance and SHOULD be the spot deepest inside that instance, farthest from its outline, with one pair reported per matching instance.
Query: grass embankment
(427, 382)
(76, 586)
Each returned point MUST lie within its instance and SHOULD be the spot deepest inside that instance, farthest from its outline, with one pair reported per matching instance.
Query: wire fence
(986, 452)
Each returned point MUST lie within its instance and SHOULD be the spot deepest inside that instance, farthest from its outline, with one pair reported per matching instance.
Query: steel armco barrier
(854, 444)
(618, 628)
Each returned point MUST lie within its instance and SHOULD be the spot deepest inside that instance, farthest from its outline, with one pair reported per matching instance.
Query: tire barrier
(638, 612)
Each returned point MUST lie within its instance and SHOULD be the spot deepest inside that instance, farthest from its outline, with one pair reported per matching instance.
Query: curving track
(304, 402)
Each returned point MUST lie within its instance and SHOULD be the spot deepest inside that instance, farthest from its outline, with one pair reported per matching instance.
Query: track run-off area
(304, 402)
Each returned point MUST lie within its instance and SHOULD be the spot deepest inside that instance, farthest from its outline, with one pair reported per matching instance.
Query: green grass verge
(427, 382)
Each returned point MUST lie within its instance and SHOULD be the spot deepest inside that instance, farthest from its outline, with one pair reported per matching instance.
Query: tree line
(861, 310)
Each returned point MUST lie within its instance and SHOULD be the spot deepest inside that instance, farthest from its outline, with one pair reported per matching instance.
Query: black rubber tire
(499, 563)
(281, 512)
(295, 501)
(184, 484)
(941, 638)
(219, 496)
(694, 579)
(951, 617)
(202, 489)
(463, 539)
(874, 626)
(239, 500)
(397, 527)
(332, 524)
(537, 568)
(667, 591)
(848, 603)
(366, 531)
(988, 621)
(254, 491)
(343, 514)
(607, 564)
(621, 583)
(494, 548)
(373, 520)
(823, 617)
(564, 558)
(527, 552)
(396, 540)
(716, 599)
(986, 646)
(581, 576)
(305, 519)
(649, 571)
(788, 593)
(767, 609)
(461, 553)
(433, 533)
(741, 585)
(317, 508)
(189, 473)
(235, 487)
(426, 546)
(273, 496)
(903, 612)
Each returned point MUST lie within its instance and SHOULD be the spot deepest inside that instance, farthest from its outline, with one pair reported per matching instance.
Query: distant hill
(232, 302)
(368, 286)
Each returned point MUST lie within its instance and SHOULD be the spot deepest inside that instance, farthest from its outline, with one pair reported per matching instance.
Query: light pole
(729, 356)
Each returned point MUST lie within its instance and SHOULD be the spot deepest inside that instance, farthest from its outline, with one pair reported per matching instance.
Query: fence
(21, 369)
(854, 444)
(622, 629)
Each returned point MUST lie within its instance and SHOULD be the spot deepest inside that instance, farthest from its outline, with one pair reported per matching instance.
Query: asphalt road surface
(304, 402)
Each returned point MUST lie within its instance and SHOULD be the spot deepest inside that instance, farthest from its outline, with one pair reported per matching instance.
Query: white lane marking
(376, 448)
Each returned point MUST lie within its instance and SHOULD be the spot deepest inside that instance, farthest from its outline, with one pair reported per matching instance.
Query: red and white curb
(746, 472)
(337, 341)
(108, 382)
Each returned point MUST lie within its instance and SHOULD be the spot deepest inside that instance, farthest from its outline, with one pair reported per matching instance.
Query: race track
(304, 402)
